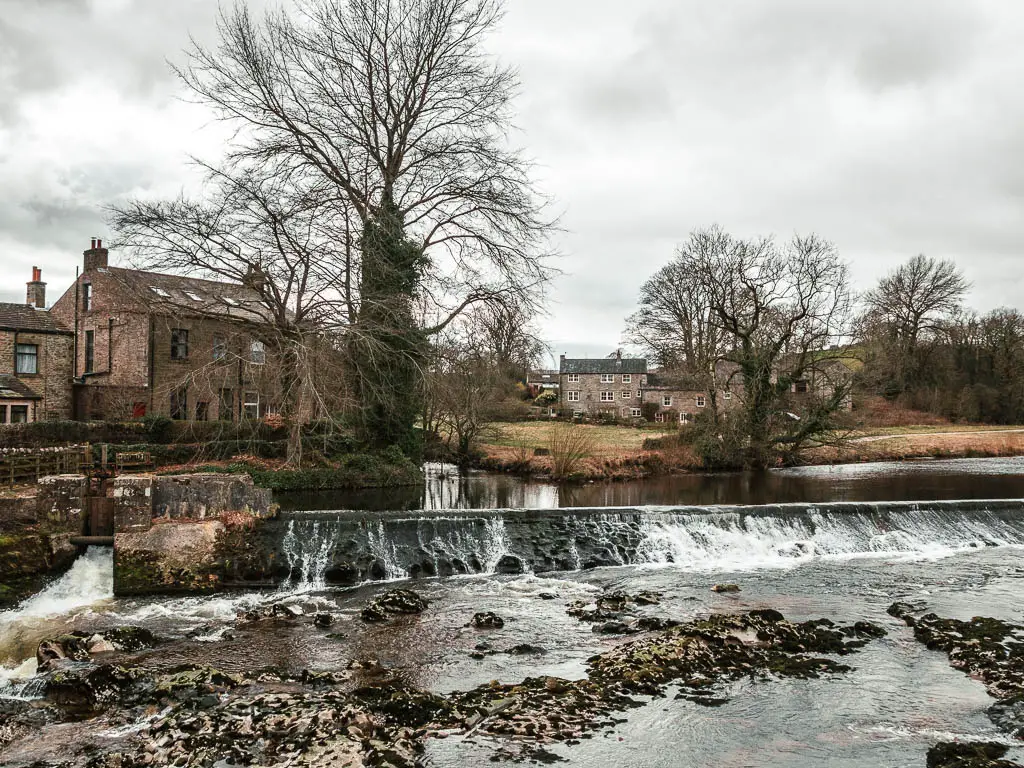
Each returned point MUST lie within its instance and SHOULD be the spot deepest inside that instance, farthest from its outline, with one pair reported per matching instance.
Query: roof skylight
(160, 292)
(192, 295)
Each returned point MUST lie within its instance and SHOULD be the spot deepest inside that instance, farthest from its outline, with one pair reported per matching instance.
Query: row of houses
(123, 343)
(623, 388)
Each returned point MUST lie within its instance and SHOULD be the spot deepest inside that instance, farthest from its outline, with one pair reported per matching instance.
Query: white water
(88, 583)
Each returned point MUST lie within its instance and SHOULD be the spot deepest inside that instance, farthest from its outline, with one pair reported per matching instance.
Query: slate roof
(678, 382)
(191, 294)
(22, 317)
(603, 365)
(13, 389)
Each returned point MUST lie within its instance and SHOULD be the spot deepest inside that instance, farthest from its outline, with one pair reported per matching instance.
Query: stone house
(36, 360)
(610, 386)
(541, 381)
(679, 398)
(147, 343)
(820, 381)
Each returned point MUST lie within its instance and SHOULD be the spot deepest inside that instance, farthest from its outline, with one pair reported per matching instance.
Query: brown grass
(960, 445)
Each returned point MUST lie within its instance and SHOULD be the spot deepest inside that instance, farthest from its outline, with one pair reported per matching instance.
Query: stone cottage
(36, 359)
(611, 386)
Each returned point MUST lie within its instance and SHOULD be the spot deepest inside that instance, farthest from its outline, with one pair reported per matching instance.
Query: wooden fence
(28, 466)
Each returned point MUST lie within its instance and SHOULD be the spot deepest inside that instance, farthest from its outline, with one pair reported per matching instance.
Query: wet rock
(969, 755)
(287, 611)
(394, 601)
(510, 564)
(613, 628)
(1008, 715)
(547, 596)
(80, 646)
(487, 620)
(726, 588)
(525, 649)
(655, 623)
(85, 686)
(323, 620)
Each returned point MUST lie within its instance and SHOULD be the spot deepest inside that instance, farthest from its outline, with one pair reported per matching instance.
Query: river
(814, 559)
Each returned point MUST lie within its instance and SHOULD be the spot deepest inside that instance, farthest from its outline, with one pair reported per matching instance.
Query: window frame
(90, 351)
(607, 396)
(250, 398)
(635, 413)
(607, 378)
(257, 352)
(627, 378)
(727, 395)
(87, 296)
(700, 401)
(179, 403)
(21, 408)
(666, 401)
(572, 378)
(179, 343)
(627, 394)
(572, 396)
(220, 346)
(20, 355)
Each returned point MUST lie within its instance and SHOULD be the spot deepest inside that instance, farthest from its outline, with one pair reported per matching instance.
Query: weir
(343, 547)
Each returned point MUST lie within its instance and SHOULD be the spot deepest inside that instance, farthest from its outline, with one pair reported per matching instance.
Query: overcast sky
(891, 128)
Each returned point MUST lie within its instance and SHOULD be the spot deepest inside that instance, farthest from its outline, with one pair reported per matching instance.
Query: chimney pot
(99, 242)
(93, 245)
(35, 294)
(95, 257)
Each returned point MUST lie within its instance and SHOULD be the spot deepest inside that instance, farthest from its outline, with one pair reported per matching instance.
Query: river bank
(623, 453)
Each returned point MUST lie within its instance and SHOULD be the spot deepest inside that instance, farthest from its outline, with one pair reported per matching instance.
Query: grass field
(607, 441)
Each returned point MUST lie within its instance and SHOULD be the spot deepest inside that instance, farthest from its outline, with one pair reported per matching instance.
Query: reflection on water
(447, 488)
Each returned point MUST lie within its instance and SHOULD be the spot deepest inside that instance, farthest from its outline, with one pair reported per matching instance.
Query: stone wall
(54, 361)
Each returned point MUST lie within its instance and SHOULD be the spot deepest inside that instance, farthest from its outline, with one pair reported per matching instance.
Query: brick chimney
(35, 296)
(96, 256)
(254, 278)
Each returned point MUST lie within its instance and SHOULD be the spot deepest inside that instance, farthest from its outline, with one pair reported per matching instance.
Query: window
(607, 397)
(251, 405)
(607, 378)
(87, 297)
(643, 381)
(230, 301)
(257, 352)
(701, 401)
(639, 394)
(573, 378)
(19, 414)
(627, 394)
(26, 358)
(572, 396)
(635, 412)
(202, 411)
(220, 347)
(727, 395)
(160, 292)
(627, 378)
(179, 403)
(685, 418)
(577, 414)
(226, 405)
(179, 344)
(193, 296)
(90, 350)
(666, 400)
(800, 386)
(659, 417)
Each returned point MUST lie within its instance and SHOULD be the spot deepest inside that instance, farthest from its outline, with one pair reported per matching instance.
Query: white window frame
(24, 355)
(727, 395)
(685, 418)
(250, 398)
(701, 401)
(607, 378)
(572, 378)
(192, 295)
(659, 417)
(627, 394)
(160, 292)
(643, 381)
(639, 394)
(607, 397)
(627, 378)
(666, 401)
(257, 352)
(635, 412)
(572, 396)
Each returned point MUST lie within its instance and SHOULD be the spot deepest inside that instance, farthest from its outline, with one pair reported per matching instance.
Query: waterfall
(349, 547)
(89, 581)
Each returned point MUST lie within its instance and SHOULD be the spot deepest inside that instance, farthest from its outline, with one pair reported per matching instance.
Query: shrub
(569, 445)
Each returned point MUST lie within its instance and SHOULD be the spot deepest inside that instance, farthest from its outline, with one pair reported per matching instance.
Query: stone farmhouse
(147, 343)
(36, 360)
(679, 398)
(610, 386)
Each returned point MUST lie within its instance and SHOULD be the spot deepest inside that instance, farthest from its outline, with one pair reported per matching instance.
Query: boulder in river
(510, 564)
(487, 620)
(726, 588)
(394, 601)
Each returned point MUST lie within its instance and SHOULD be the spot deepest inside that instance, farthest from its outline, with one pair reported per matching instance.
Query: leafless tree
(254, 229)
(674, 325)
(394, 113)
(905, 316)
(783, 310)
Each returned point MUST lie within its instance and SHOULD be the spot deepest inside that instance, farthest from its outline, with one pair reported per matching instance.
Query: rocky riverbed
(653, 665)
